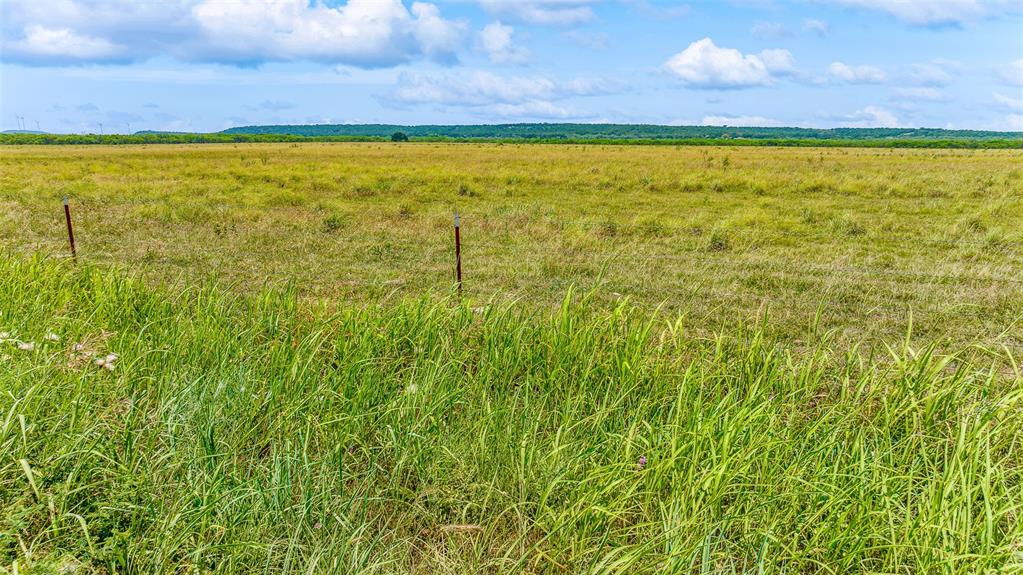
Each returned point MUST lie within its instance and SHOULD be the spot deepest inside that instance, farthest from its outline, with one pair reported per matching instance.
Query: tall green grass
(242, 434)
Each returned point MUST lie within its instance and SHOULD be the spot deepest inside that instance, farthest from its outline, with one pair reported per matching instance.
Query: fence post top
(66, 200)
(456, 219)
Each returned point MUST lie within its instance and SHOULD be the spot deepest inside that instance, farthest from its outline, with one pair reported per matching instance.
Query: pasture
(876, 239)
(666, 360)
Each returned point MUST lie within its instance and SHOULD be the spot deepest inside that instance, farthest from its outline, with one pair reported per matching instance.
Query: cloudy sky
(205, 65)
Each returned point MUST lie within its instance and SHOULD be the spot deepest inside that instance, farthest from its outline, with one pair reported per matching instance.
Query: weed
(333, 223)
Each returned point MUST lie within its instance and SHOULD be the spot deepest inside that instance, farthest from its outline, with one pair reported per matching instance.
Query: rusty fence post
(458, 254)
(70, 229)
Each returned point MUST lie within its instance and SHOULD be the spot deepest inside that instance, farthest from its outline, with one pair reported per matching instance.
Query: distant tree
(399, 137)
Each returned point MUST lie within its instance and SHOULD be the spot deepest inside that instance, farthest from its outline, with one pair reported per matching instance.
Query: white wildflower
(52, 337)
(26, 346)
(107, 362)
(5, 335)
(78, 347)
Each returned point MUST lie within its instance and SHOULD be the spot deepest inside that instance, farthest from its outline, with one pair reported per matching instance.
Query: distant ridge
(599, 134)
(614, 131)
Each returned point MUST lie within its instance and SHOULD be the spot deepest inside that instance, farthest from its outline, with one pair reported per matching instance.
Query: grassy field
(876, 237)
(148, 431)
(667, 360)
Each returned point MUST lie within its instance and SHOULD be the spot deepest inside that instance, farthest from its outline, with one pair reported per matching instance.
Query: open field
(355, 417)
(872, 237)
(258, 434)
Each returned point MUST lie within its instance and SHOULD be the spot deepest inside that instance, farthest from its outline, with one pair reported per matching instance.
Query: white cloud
(361, 32)
(479, 88)
(936, 12)
(869, 117)
(437, 37)
(819, 27)
(364, 33)
(705, 65)
(496, 40)
(488, 93)
(534, 109)
(740, 121)
(1008, 101)
(778, 61)
(856, 74)
(1013, 73)
(546, 12)
(932, 73)
(44, 45)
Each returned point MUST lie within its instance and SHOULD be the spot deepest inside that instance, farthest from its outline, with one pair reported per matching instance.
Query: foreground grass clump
(242, 434)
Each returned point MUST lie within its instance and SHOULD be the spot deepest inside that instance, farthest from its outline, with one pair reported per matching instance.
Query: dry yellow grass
(722, 235)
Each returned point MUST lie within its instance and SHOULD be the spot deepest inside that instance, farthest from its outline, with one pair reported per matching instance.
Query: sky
(119, 66)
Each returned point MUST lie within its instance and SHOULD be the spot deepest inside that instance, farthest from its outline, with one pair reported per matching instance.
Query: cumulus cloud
(740, 121)
(856, 74)
(496, 40)
(365, 33)
(519, 96)
(936, 12)
(362, 32)
(1013, 73)
(934, 73)
(42, 45)
(705, 65)
(869, 117)
(545, 12)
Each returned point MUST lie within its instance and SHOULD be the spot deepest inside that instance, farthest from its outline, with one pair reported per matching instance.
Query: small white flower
(78, 347)
(26, 346)
(5, 335)
(411, 388)
(52, 337)
(107, 362)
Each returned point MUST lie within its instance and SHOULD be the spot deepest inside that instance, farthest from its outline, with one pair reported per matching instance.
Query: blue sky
(206, 65)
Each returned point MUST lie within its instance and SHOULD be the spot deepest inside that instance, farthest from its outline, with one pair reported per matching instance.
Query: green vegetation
(625, 132)
(152, 431)
(637, 134)
(884, 242)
